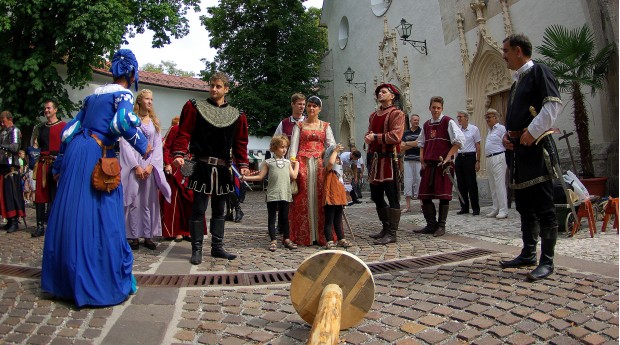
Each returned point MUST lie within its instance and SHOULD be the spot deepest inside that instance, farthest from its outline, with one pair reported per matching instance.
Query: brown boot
(429, 215)
(383, 217)
(394, 217)
(441, 220)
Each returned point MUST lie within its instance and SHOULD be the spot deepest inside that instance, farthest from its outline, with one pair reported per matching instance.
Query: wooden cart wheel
(330, 267)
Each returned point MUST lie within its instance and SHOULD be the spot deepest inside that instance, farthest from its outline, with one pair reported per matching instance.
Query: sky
(187, 51)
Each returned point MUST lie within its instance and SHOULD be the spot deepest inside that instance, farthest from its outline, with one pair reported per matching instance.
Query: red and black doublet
(49, 140)
(215, 135)
(388, 125)
(434, 184)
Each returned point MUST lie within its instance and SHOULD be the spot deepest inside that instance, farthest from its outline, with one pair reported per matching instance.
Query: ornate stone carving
(506, 16)
(478, 7)
(463, 42)
(346, 118)
(389, 66)
(498, 79)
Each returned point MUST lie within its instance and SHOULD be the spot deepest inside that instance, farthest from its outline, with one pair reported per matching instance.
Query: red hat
(390, 87)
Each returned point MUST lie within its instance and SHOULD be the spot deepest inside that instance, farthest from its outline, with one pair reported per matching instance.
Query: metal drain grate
(263, 278)
(20, 271)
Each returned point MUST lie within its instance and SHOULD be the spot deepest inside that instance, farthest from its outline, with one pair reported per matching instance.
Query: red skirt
(434, 184)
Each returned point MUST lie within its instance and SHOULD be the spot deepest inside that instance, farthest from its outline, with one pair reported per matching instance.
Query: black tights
(430, 201)
(333, 217)
(281, 208)
(391, 191)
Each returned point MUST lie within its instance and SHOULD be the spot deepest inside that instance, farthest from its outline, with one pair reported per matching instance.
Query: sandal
(405, 210)
(344, 243)
(330, 245)
(273, 246)
(178, 238)
(290, 244)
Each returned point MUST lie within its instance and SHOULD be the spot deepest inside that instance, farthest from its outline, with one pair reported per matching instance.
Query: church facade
(457, 54)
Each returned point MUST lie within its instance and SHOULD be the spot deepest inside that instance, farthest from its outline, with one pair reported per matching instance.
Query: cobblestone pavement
(470, 301)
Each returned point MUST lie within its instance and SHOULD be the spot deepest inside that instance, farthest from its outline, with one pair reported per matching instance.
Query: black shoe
(475, 213)
(8, 224)
(425, 230)
(238, 215)
(517, 262)
(14, 227)
(439, 232)
(221, 253)
(229, 217)
(40, 231)
(540, 272)
(463, 212)
(148, 243)
(134, 244)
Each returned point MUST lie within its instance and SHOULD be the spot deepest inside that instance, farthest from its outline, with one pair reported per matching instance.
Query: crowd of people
(161, 187)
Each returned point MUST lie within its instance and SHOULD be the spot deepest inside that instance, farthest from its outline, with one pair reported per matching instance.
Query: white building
(463, 63)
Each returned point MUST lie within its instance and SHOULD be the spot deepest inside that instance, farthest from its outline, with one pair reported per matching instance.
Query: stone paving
(472, 301)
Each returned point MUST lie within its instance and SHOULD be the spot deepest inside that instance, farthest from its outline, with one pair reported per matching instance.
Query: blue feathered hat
(123, 63)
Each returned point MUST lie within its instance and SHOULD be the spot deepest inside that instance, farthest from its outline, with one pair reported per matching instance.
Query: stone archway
(488, 79)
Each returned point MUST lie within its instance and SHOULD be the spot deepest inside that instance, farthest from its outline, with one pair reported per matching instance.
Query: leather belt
(213, 161)
(495, 154)
(465, 154)
(514, 134)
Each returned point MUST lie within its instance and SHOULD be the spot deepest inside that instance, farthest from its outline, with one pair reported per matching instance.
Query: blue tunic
(86, 257)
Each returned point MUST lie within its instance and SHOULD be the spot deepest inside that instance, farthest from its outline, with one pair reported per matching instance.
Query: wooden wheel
(333, 267)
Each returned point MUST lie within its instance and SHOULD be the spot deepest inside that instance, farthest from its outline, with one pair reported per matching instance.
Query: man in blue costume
(86, 257)
(533, 107)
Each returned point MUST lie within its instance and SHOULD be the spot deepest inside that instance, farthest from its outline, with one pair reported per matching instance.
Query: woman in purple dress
(143, 179)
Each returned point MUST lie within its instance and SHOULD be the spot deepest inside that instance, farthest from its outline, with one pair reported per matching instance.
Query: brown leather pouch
(107, 172)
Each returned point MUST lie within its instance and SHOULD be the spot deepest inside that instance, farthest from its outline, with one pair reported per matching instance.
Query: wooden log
(326, 326)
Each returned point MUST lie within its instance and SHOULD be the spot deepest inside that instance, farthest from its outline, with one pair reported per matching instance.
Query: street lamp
(349, 75)
(404, 31)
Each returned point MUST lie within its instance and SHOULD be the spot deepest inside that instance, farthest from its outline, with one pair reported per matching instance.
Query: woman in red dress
(309, 140)
(175, 214)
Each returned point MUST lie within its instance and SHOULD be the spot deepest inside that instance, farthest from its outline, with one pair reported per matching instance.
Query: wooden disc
(333, 267)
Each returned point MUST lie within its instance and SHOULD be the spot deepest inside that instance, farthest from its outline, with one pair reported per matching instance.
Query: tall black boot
(40, 230)
(197, 235)
(429, 215)
(383, 217)
(9, 223)
(441, 220)
(40, 212)
(547, 248)
(529, 235)
(217, 240)
(394, 219)
(238, 214)
(14, 225)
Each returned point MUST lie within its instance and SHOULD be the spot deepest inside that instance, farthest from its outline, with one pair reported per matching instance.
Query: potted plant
(572, 57)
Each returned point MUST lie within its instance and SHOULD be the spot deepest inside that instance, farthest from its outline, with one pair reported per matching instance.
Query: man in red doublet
(385, 131)
(48, 138)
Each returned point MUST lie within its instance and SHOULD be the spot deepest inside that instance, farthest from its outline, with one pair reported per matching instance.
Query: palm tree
(571, 56)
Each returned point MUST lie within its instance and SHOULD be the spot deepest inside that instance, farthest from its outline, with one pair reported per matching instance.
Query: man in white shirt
(494, 151)
(467, 164)
(349, 165)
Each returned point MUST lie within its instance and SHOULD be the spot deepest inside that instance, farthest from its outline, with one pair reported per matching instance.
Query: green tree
(271, 49)
(572, 57)
(40, 37)
(166, 67)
